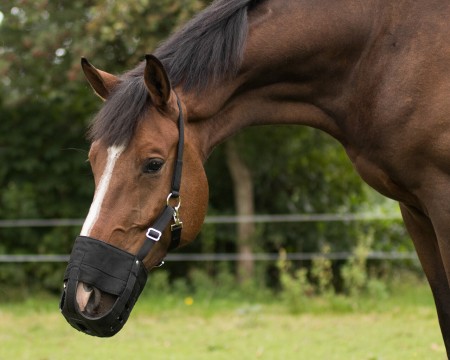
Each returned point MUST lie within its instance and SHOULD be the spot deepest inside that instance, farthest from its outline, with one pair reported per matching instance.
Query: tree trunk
(244, 203)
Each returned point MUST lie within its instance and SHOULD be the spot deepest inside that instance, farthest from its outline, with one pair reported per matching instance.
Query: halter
(154, 232)
(114, 271)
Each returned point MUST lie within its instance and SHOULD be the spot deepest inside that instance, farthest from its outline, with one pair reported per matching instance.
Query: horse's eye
(153, 166)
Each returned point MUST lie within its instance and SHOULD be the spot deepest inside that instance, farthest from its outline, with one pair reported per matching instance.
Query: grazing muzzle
(117, 274)
(112, 271)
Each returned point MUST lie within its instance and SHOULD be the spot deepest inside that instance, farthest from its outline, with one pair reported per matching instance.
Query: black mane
(207, 49)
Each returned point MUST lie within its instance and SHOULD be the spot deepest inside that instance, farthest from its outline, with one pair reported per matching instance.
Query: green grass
(403, 326)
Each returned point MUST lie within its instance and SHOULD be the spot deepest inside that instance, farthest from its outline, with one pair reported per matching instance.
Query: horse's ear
(157, 81)
(102, 82)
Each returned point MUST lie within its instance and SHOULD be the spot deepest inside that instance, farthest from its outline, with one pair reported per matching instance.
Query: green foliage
(355, 274)
(322, 272)
(46, 106)
(158, 283)
(301, 170)
(296, 288)
(304, 289)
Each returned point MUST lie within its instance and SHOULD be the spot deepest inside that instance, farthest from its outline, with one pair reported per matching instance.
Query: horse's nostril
(92, 302)
(87, 287)
(82, 296)
(88, 298)
(92, 306)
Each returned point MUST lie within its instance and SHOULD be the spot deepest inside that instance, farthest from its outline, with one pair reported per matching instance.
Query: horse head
(151, 194)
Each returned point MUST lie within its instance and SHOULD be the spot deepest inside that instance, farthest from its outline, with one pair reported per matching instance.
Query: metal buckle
(176, 207)
(176, 219)
(176, 226)
(153, 234)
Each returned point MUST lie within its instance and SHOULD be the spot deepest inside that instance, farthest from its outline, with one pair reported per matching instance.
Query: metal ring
(176, 207)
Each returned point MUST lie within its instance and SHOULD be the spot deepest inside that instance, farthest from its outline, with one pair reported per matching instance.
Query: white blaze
(114, 153)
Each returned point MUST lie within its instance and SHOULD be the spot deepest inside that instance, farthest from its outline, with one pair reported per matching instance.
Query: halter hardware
(178, 224)
(153, 234)
(171, 196)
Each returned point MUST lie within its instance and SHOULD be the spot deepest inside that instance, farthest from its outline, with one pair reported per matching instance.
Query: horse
(373, 74)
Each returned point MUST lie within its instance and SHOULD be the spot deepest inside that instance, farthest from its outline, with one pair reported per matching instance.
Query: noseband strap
(154, 233)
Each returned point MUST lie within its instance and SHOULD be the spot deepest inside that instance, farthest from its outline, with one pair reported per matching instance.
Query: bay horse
(373, 74)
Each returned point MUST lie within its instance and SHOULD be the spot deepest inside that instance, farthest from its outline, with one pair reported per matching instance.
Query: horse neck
(297, 66)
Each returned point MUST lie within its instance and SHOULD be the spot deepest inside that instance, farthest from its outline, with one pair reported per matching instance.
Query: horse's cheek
(194, 193)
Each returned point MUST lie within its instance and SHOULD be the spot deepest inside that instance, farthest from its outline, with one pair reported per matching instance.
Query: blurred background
(320, 221)
(294, 244)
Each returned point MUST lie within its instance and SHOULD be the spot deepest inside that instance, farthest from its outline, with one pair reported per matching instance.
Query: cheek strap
(170, 212)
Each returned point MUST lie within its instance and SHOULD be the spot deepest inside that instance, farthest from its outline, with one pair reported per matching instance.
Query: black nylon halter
(114, 271)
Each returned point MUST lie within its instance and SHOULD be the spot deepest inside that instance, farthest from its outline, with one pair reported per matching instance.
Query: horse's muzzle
(112, 271)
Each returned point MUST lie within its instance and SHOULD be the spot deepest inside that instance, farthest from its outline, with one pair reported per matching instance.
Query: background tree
(244, 204)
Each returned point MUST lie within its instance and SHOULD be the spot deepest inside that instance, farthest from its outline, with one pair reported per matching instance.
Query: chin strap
(170, 212)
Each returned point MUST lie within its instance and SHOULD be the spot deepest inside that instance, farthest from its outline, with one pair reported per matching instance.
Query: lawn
(403, 326)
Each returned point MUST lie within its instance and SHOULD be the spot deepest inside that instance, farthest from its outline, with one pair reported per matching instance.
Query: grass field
(403, 326)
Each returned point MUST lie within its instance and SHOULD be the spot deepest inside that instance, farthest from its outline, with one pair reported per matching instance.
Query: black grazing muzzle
(115, 272)
(112, 271)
